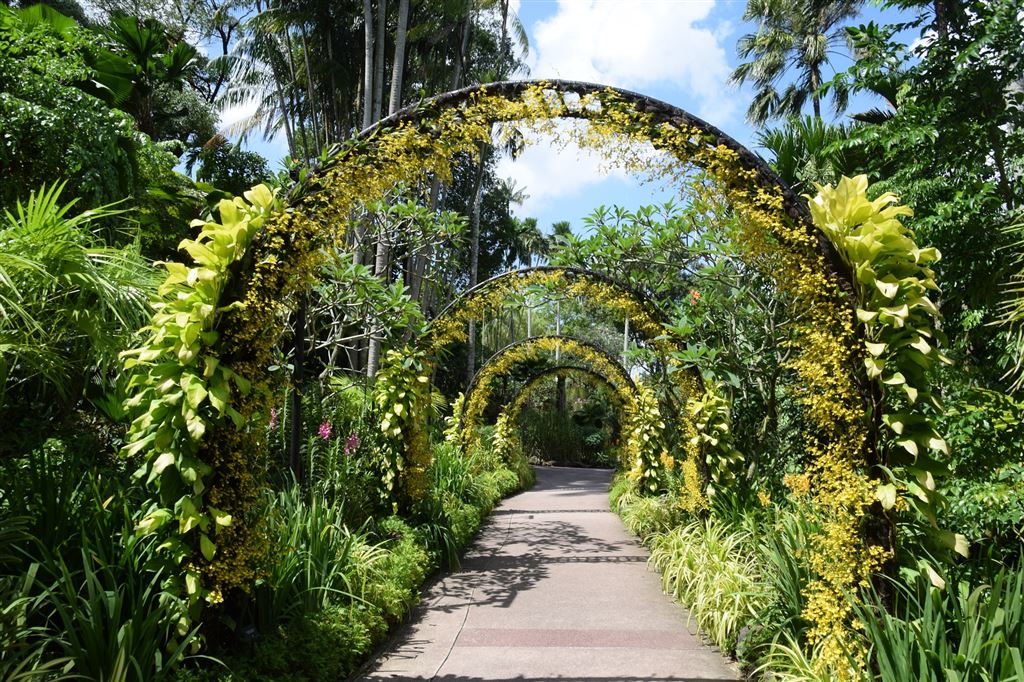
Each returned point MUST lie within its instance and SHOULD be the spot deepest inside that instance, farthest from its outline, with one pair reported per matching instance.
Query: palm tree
(529, 241)
(68, 303)
(794, 37)
(1011, 308)
(808, 150)
(154, 59)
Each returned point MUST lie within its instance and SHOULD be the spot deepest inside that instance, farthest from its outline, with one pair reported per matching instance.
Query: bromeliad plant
(181, 389)
(712, 440)
(894, 280)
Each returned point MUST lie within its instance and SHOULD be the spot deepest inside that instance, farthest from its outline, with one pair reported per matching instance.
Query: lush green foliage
(300, 573)
(950, 143)
(182, 389)
(963, 633)
(88, 596)
(69, 302)
(52, 127)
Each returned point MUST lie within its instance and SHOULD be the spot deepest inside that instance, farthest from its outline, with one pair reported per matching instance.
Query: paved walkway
(553, 588)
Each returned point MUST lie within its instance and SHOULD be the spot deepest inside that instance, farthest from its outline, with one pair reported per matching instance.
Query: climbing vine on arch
(533, 348)
(201, 376)
(620, 397)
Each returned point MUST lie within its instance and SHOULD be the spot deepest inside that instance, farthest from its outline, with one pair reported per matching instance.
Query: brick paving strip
(552, 588)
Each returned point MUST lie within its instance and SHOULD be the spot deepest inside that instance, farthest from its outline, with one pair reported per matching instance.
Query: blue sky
(680, 51)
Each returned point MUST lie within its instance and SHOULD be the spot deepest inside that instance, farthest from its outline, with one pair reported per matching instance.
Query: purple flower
(325, 430)
(351, 443)
(273, 418)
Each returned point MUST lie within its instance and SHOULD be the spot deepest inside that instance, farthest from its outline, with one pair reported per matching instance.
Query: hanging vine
(533, 348)
(220, 315)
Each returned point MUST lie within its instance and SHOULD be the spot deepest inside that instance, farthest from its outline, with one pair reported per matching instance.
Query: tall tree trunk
(295, 104)
(292, 151)
(383, 255)
(309, 91)
(943, 11)
(504, 53)
(460, 59)
(303, 138)
(398, 67)
(474, 261)
(335, 125)
(368, 65)
(421, 257)
(815, 97)
(378, 60)
(380, 270)
(560, 384)
(625, 340)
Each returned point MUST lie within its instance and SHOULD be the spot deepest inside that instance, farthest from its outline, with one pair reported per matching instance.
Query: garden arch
(479, 392)
(523, 393)
(624, 399)
(202, 377)
(646, 318)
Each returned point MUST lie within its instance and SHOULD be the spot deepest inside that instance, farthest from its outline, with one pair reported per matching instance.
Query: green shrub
(111, 620)
(621, 493)
(391, 583)
(780, 544)
(985, 492)
(646, 517)
(22, 644)
(315, 554)
(712, 569)
(505, 482)
(75, 582)
(70, 302)
(960, 633)
(324, 645)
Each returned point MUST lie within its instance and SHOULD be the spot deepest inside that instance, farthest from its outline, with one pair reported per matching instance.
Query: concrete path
(553, 588)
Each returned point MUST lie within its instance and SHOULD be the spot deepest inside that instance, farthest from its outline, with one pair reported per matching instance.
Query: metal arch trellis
(282, 241)
(660, 111)
(485, 370)
(664, 337)
(570, 272)
(519, 400)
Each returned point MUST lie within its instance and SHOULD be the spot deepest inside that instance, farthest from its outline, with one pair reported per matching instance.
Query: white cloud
(637, 45)
(550, 170)
(234, 114)
(547, 172)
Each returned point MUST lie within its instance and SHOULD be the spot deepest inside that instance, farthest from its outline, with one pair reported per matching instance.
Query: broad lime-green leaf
(206, 546)
(886, 494)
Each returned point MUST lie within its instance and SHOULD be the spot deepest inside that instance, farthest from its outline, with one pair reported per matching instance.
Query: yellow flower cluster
(799, 485)
(502, 363)
(773, 236)
(622, 396)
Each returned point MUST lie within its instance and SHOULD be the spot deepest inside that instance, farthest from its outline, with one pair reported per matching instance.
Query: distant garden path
(552, 588)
